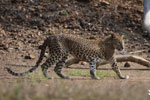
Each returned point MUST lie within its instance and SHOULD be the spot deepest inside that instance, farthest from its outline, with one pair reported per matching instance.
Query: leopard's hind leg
(48, 63)
(59, 66)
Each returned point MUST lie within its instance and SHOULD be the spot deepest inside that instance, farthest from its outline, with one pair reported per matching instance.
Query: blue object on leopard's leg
(117, 70)
(45, 67)
(93, 70)
(59, 66)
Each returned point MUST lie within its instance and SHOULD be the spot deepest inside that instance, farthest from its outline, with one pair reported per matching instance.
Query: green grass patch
(64, 12)
(38, 77)
(101, 74)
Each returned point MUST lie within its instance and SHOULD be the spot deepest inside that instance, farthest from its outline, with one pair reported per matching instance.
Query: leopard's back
(78, 47)
(84, 49)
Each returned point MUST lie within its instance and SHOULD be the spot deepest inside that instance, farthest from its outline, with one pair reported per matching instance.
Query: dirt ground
(25, 23)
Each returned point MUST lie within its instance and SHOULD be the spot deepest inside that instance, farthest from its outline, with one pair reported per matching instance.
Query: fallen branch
(132, 58)
(119, 58)
(139, 51)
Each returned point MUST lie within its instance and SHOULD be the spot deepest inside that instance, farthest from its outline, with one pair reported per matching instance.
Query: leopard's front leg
(93, 70)
(117, 70)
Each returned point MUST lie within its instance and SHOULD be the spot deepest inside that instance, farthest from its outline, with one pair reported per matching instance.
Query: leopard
(94, 52)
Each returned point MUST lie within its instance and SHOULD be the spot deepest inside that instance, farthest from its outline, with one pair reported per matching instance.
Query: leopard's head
(117, 41)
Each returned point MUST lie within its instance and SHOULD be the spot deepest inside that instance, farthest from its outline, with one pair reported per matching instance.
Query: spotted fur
(94, 52)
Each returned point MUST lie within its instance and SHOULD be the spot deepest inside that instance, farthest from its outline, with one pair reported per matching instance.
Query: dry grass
(59, 89)
(36, 87)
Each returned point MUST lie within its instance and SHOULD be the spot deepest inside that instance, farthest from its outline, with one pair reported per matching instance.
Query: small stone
(92, 37)
(133, 47)
(3, 47)
(104, 2)
(126, 64)
(83, 63)
(30, 56)
(2, 52)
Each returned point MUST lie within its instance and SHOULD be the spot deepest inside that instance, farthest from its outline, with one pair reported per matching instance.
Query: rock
(3, 47)
(83, 63)
(126, 64)
(30, 56)
(92, 37)
(2, 52)
(104, 2)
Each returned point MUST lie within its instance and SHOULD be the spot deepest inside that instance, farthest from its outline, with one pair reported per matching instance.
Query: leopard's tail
(44, 45)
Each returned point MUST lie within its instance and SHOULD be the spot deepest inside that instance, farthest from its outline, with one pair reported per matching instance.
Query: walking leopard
(94, 52)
